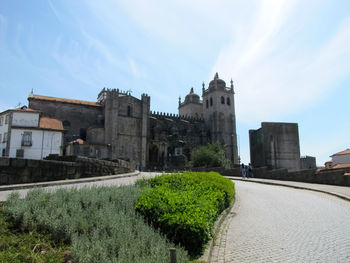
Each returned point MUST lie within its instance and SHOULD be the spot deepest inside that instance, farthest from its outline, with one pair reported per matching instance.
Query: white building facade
(25, 134)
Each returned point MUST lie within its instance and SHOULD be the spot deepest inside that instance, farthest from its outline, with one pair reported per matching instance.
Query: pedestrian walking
(243, 170)
(250, 169)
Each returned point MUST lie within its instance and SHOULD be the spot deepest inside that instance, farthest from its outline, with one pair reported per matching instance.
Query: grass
(28, 246)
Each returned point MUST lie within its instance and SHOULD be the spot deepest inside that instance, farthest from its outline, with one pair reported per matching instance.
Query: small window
(228, 101)
(27, 139)
(82, 134)
(7, 119)
(0, 137)
(222, 100)
(211, 101)
(129, 111)
(207, 103)
(20, 153)
(66, 124)
(5, 137)
(1, 120)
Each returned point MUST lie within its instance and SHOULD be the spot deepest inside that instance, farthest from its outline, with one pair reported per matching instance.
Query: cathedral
(119, 125)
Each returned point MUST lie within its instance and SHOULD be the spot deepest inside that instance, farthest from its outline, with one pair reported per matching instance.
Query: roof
(25, 109)
(51, 124)
(77, 141)
(341, 165)
(22, 109)
(347, 151)
(82, 102)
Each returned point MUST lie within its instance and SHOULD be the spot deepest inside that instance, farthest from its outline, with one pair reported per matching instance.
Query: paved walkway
(121, 179)
(271, 223)
(339, 191)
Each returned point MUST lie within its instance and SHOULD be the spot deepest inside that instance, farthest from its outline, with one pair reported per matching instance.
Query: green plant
(28, 246)
(211, 155)
(99, 223)
(185, 206)
(77, 175)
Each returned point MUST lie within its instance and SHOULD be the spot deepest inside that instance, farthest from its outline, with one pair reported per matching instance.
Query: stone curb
(207, 255)
(344, 197)
(66, 182)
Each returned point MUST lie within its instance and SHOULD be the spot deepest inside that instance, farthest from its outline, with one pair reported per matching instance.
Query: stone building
(275, 145)
(121, 126)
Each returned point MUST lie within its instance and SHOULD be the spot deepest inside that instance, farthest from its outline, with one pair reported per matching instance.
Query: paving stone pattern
(280, 224)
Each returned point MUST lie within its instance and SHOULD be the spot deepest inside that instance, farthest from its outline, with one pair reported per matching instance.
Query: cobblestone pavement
(280, 224)
(115, 182)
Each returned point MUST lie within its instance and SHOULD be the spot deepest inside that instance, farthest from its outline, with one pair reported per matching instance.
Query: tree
(211, 155)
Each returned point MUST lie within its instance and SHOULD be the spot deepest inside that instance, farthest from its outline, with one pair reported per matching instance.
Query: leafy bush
(100, 223)
(211, 155)
(185, 206)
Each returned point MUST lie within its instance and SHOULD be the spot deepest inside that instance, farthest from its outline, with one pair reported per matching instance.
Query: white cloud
(275, 76)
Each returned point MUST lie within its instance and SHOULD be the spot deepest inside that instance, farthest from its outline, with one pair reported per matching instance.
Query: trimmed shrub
(100, 224)
(185, 206)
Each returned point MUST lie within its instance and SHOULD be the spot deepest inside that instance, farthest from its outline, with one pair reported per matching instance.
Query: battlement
(174, 116)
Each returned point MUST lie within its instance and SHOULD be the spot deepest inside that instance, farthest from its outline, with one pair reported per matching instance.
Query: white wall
(3, 128)
(25, 119)
(44, 142)
(344, 158)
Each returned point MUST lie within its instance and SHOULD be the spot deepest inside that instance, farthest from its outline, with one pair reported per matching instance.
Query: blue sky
(289, 59)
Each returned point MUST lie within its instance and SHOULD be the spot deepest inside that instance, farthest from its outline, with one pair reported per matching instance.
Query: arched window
(222, 100)
(207, 103)
(228, 101)
(129, 111)
(211, 101)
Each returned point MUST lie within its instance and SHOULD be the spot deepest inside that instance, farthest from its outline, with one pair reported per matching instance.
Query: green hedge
(185, 206)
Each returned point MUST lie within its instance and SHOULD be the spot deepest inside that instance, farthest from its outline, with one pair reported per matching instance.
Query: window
(222, 100)
(27, 139)
(20, 153)
(6, 119)
(129, 111)
(1, 120)
(228, 102)
(66, 124)
(5, 137)
(211, 101)
(0, 137)
(207, 103)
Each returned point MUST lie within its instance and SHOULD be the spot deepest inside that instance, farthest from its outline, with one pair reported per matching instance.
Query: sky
(289, 59)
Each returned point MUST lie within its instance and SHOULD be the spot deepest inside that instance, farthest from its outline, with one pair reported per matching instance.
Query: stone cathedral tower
(218, 112)
(219, 115)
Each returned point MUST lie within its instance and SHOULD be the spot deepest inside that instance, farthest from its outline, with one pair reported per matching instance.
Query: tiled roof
(39, 97)
(347, 151)
(25, 108)
(78, 141)
(341, 165)
(49, 123)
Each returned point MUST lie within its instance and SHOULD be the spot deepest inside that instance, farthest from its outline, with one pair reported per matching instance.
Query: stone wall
(17, 171)
(76, 118)
(275, 145)
(332, 177)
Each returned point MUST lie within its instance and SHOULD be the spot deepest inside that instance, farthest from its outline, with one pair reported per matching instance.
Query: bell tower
(219, 115)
